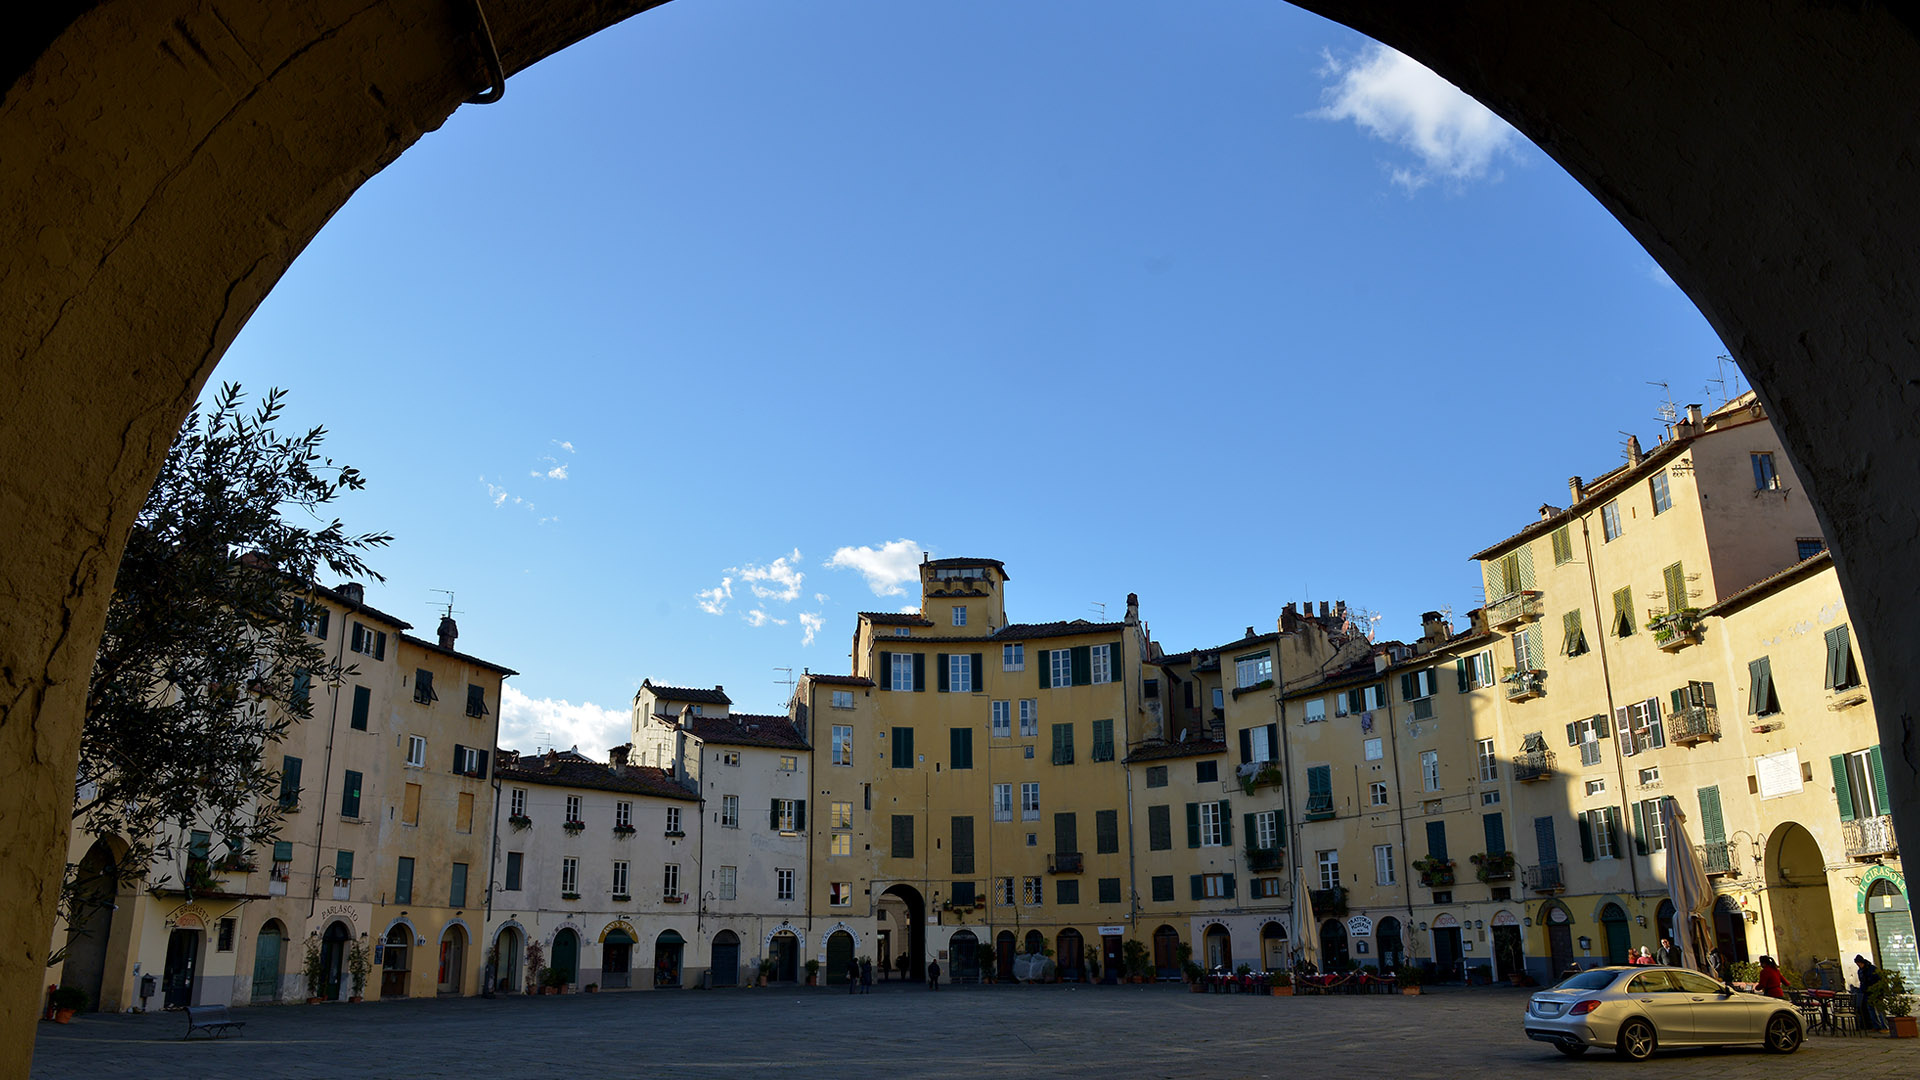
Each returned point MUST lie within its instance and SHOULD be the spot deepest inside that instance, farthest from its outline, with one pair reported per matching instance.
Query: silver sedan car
(1636, 1010)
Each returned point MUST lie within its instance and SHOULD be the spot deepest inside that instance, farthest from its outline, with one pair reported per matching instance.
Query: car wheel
(1571, 1049)
(1783, 1034)
(1636, 1040)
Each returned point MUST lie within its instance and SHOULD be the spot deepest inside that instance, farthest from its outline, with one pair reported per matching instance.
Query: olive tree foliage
(207, 658)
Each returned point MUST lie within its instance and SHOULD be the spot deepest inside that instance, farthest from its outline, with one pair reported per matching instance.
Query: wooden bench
(215, 1020)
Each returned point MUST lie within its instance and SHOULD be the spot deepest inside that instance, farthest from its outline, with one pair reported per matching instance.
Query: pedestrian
(1670, 953)
(1771, 983)
(933, 975)
(853, 976)
(866, 976)
(1644, 956)
(1717, 964)
(1870, 1019)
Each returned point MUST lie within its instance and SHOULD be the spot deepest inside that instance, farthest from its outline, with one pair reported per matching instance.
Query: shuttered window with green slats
(1623, 612)
(1841, 673)
(1573, 638)
(1762, 700)
(1675, 578)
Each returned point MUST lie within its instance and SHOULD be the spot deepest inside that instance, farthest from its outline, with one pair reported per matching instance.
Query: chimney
(355, 593)
(449, 632)
(553, 759)
(506, 759)
(1433, 628)
(1339, 609)
(1575, 488)
(1695, 417)
(617, 756)
(1323, 610)
(1133, 609)
(1633, 450)
(1547, 510)
(1249, 631)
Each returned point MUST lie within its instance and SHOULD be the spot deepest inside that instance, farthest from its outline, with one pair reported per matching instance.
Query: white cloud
(757, 617)
(564, 445)
(819, 598)
(1397, 100)
(887, 568)
(501, 496)
(812, 621)
(531, 724)
(907, 609)
(714, 601)
(782, 577)
(1658, 276)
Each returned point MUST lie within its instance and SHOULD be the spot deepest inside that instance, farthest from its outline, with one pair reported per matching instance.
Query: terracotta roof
(434, 647)
(340, 598)
(715, 696)
(569, 770)
(1806, 567)
(748, 729)
(838, 680)
(1164, 750)
(896, 618)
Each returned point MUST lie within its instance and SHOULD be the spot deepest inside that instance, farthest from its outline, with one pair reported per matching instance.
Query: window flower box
(569, 896)
(622, 898)
(519, 821)
(574, 827)
(1496, 866)
(674, 898)
(1675, 630)
(624, 831)
(1435, 873)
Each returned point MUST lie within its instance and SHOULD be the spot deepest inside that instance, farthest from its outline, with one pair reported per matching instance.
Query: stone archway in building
(90, 938)
(138, 241)
(1799, 904)
(914, 914)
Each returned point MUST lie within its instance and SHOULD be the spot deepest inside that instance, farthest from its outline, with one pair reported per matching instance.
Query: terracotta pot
(63, 1016)
(315, 1000)
(1281, 991)
(355, 999)
(1410, 991)
(1902, 1027)
(549, 990)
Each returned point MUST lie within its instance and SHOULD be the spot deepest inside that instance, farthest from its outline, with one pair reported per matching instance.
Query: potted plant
(766, 970)
(1280, 983)
(552, 980)
(1193, 973)
(1409, 978)
(536, 963)
(1135, 956)
(574, 827)
(67, 1000)
(1744, 974)
(359, 966)
(813, 971)
(1891, 999)
(313, 969)
(593, 988)
(519, 821)
(1435, 872)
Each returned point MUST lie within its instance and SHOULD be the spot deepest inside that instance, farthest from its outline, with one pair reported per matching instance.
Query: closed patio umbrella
(1306, 931)
(1687, 883)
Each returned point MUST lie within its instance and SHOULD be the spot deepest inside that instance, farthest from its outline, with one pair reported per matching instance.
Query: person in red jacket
(1771, 983)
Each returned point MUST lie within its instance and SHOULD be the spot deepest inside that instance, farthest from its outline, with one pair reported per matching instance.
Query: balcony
(1494, 866)
(1675, 630)
(1524, 685)
(1869, 837)
(1544, 878)
(1261, 859)
(1514, 609)
(1718, 858)
(1066, 862)
(1435, 873)
(1533, 766)
(1329, 903)
(1694, 724)
(1319, 807)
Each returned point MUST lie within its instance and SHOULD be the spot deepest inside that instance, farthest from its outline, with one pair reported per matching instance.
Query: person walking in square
(853, 976)
(1670, 953)
(1870, 1019)
(933, 975)
(866, 976)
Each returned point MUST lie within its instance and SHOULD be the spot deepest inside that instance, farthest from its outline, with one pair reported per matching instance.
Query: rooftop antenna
(788, 682)
(1099, 606)
(1668, 414)
(450, 612)
(544, 743)
(1623, 444)
(1721, 364)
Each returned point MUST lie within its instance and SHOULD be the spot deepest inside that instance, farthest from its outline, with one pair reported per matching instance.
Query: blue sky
(1216, 302)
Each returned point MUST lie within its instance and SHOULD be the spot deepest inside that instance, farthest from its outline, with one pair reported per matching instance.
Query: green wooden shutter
(1713, 828)
(1437, 840)
(1106, 832)
(919, 672)
(1082, 665)
(1573, 733)
(962, 749)
(1046, 667)
(1103, 740)
(1113, 659)
(350, 795)
(1640, 827)
(1356, 701)
(799, 815)
(1676, 582)
(1760, 689)
(289, 781)
(1879, 775)
(1066, 833)
(1246, 745)
(1228, 881)
(1842, 791)
(403, 882)
(343, 864)
(1160, 828)
(1199, 887)
(362, 704)
(979, 671)
(1460, 673)
(1585, 820)
(1406, 687)
(773, 816)
(902, 846)
(1226, 824)
(886, 671)
(283, 851)
(1496, 833)
(1253, 829)
(963, 845)
(1193, 825)
(940, 672)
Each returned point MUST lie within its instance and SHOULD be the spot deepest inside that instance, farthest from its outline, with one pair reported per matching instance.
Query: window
(840, 815)
(423, 687)
(416, 752)
(901, 631)
(1610, 522)
(362, 708)
(1675, 579)
(457, 887)
(1106, 832)
(1383, 864)
(1066, 891)
(840, 894)
(368, 641)
(1102, 664)
(1339, 704)
(787, 815)
(1650, 777)
(350, 795)
(902, 836)
(1013, 658)
(342, 867)
(1523, 658)
(1030, 893)
(673, 820)
(960, 748)
(841, 844)
(1102, 741)
(1623, 612)
(1110, 890)
(573, 808)
(1489, 798)
(1003, 802)
(1219, 698)
(1489, 770)
(1256, 668)
(289, 781)
(476, 700)
(1662, 498)
(1841, 674)
(1159, 828)
(727, 883)
(903, 667)
(1063, 744)
(1156, 776)
(1475, 671)
(1649, 826)
(960, 673)
(729, 811)
(1416, 685)
(1266, 887)
(403, 880)
(1430, 769)
(1003, 891)
(570, 877)
(789, 762)
(620, 878)
(1764, 478)
(1374, 749)
(1206, 772)
(842, 744)
(1029, 716)
(1265, 828)
(1586, 734)
(1809, 546)
(517, 802)
(902, 739)
(516, 865)
(1059, 667)
(469, 761)
(1377, 793)
(1029, 802)
(842, 699)
(1259, 745)
(670, 879)
(1163, 889)
(1639, 726)
(959, 614)
(1602, 832)
(1573, 641)
(312, 617)
(730, 757)
(1562, 546)
(462, 812)
(1316, 711)
(1002, 714)
(1330, 869)
(1213, 886)
(1212, 819)
(1596, 787)
(1860, 784)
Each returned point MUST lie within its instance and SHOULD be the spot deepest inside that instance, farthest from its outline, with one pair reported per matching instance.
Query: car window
(1589, 980)
(1693, 982)
(1650, 982)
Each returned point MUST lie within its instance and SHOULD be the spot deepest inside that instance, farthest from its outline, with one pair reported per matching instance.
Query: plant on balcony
(622, 898)
(624, 831)
(1330, 903)
(574, 827)
(519, 821)
(1671, 625)
(1261, 858)
(1435, 872)
(236, 862)
(1494, 866)
(1268, 775)
(569, 896)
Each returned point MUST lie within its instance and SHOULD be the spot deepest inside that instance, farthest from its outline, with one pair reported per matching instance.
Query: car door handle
(1699, 999)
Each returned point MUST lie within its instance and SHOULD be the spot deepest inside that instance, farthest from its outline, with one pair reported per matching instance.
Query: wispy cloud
(1397, 100)
(558, 472)
(759, 617)
(887, 568)
(563, 444)
(714, 601)
(812, 623)
(532, 724)
(500, 496)
(1658, 276)
(778, 580)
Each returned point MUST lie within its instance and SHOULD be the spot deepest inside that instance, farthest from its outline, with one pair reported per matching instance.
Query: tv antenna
(1100, 607)
(789, 682)
(449, 612)
(1721, 364)
(1668, 414)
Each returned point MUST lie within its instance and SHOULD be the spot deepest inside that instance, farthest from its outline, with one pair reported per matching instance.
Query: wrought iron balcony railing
(1522, 685)
(1066, 862)
(1869, 837)
(1694, 724)
(1544, 878)
(1718, 857)
(1514, 609)
(1533, 765)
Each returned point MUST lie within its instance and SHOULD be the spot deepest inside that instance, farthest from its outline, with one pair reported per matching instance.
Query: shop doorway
(1890, 925)
(964, 951)
(507, 960)
(1003, 950)
(1613, 923)
(1166, 954)
(668, 949)
(333, 959)
(1273, 947)
(268, 951)
(453, 960)
(396, 967)
(726, 959)
(616, 961)
(840, 957)
(566, 955)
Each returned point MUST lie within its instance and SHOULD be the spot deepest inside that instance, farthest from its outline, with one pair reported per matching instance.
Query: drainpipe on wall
(493, 842)
(1406, 878)
(326, 769)
(1606, 680)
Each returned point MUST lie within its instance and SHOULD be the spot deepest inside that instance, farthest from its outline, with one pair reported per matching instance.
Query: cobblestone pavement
(1143, 1031)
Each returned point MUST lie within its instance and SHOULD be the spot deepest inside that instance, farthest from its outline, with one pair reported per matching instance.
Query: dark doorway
(916, 953)
(839, 958)
(667, 951)
(1393, 949)
(1166, 953)
(784, 951)
(616, 961)
(1559, 944)
(1730, 929)
(1219, 944)
(1070, 955)
(1111, 961)
(1333, 945)
(1613, 920)
(964, 953)
(1446, 953)
(267, 951)
(1890, 925)
(333, 959)
(566, 955)
(1273, 947)
(87, 938)
(1509, 952)
(726, 959)
(1663, 920)
(395, 965)
(1003, 950)
(176, 981)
